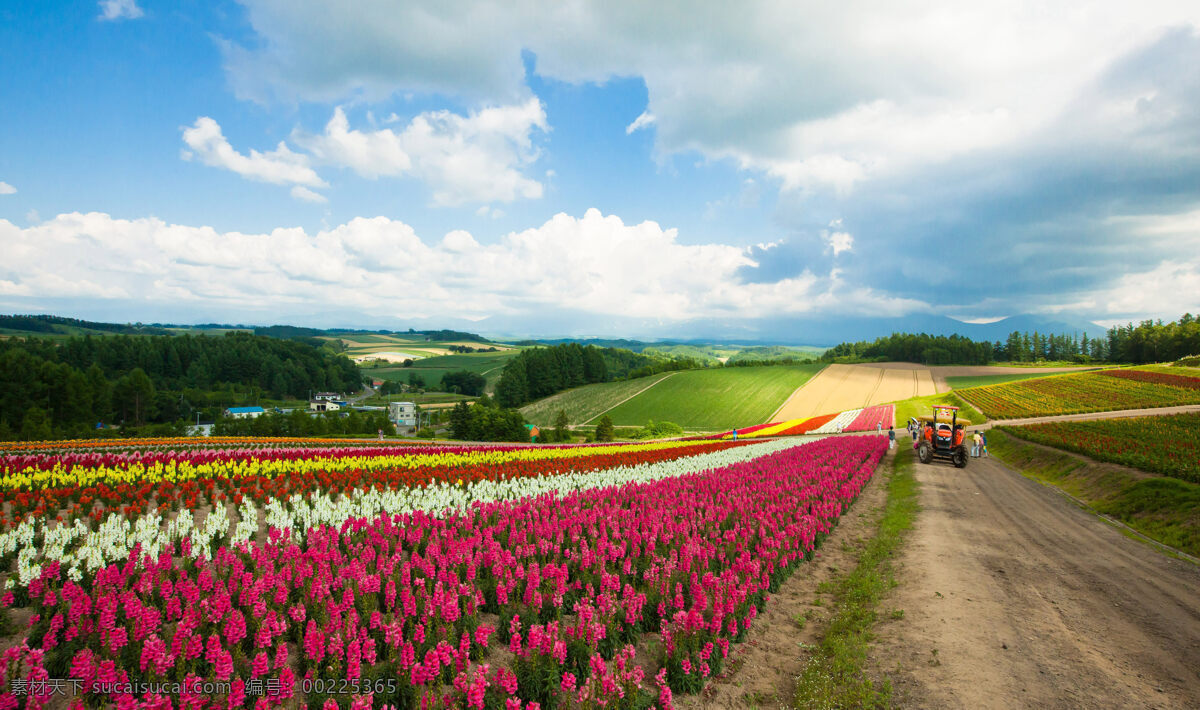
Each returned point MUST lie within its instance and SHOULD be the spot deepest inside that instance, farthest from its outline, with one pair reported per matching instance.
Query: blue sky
(543, 168)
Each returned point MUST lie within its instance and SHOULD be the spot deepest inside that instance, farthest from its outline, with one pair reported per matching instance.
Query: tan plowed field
(841, 387)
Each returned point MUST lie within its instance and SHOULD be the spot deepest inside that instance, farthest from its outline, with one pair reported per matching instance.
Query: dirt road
(1015, 598)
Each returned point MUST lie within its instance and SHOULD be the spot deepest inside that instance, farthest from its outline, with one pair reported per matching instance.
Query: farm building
(403, 413)
(326, 397)
(244, 412)
(323, 405)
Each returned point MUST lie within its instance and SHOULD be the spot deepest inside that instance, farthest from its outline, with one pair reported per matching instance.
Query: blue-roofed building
(244, 412)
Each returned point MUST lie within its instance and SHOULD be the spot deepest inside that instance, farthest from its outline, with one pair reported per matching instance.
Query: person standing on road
(891, 437)
(977, 444)
(984, 450)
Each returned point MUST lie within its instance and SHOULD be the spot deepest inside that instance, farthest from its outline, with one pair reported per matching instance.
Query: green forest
(1149, 341)
(63, 387)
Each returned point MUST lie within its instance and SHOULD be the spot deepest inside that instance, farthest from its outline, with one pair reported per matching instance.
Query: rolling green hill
(583, 404)
(432, 368)
(716, 399)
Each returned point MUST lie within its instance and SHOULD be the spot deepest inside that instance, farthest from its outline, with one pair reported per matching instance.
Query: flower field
(1084, 392)
(873, 418)
(1169, 445)
(365, 576)
(868, 419)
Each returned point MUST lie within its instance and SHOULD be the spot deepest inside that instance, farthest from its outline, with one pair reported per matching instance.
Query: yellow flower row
(178, 471)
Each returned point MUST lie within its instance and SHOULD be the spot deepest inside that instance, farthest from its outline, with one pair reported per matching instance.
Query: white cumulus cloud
(591, 264)
(645, 118)
(119, 9)
(473, 158)
(280, 166)
(6, 189)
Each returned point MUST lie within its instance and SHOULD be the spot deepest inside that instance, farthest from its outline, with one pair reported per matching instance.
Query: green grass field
(919, 406)
(717, 399)
(583, 404)
(490, 365)
(963, 382)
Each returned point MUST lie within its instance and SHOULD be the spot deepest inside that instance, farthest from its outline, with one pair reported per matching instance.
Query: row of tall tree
(1148, 341)
(68, 385)
(909, 347)
(485, 421)
(540, 372)
(301, 422)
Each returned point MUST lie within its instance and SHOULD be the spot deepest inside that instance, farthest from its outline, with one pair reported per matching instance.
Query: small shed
(244, 412)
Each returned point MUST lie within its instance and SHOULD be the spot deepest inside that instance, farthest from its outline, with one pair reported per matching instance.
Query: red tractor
(943, 436)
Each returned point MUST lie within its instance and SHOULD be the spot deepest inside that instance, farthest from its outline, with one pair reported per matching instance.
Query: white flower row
(838, 423)
(299, 514)
(79, 549)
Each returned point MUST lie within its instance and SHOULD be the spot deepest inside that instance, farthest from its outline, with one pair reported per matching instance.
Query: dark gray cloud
(1035, 225)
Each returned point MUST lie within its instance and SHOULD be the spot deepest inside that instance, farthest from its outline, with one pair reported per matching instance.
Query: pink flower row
(872, 418)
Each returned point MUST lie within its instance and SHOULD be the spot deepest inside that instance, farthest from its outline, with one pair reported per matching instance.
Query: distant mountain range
(823, 331)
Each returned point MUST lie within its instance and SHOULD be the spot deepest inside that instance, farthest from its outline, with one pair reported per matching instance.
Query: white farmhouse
(402, 413)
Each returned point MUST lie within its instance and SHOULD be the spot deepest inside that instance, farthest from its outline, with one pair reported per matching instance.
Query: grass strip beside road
(918, 406)
(835, 675)
(1163, 509)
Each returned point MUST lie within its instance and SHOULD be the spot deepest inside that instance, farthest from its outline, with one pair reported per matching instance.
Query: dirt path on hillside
(1015, 598)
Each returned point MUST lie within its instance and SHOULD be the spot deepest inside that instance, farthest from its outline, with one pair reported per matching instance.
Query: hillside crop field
(717, 399)
(1169, 445)
(1085, 392)
(584, 404)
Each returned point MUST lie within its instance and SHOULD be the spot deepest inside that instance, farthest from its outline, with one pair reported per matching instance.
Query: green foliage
(760, 355)
(303, 423)
(922, 348)
(480, 422)
(659, 430)
(561, 424)
(540, 372)
(36, 425)
(604, 429)
(139, 380)
(73, 326)
(463, 382)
